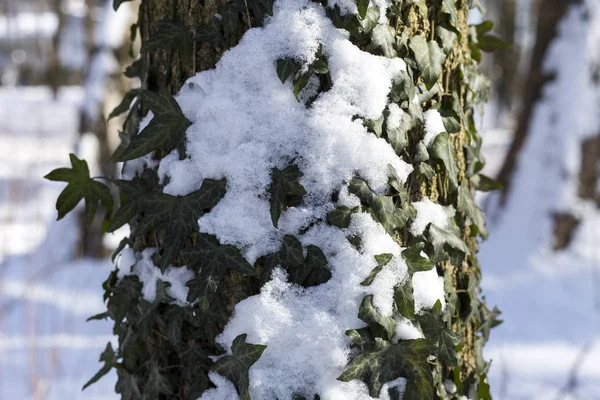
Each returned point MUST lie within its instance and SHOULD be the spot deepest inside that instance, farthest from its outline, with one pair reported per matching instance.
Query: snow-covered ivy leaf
(404, 299)
(210, 261)
(362, 6)
(236, 367)
(319, 66)
(414, 260)
(449, 7)
(170, 34)
(397, 133)
(382, 261)
(381, 326)
(287, 67)
(125, 103)
(385, 362)
(109, 358)
(383, 37)
(285, 191)
(429, 57)
(375, 125)
(443, 150)
(80, 186)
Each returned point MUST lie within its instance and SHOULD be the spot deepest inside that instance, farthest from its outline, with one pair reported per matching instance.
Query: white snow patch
(428, 288)
(428, 212)
(433, 126)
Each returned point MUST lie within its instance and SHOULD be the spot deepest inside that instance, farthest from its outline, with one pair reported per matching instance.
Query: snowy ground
(47, 351)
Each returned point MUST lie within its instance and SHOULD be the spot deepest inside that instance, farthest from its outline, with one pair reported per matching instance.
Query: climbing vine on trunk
(179, 288)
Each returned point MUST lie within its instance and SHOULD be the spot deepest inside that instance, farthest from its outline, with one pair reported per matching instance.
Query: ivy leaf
(440, 237)
(382, 261)
(110, 358)
(375, 125)
(210, 261)
(385, 362)
(137, 69)
(490, 320)
(310, 271)
(127, 385)
(360, 337)
(466, 204)
(484, 27)
(285, 191)
(362, 6)
(384, 37)
(382, 207)
(404, 299)
(287, 67)
(124, 104)
(381, 326)
(300, 83)
(370, 20)
(489, 43)
(341, 216)
(157, 383)
(173, 216)
(80, 186)
(447, 37)
(449, 7)
(446, 351)
(485, 184)
(210, 33)
(165, 131)
(117, 3)
(429, 57)
(170, 34)
(443, 150)
(414, 260)
(396, 133)
(230, 16)
(236, 367)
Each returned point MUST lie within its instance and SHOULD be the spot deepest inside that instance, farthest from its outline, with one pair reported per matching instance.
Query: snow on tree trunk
(302, 216)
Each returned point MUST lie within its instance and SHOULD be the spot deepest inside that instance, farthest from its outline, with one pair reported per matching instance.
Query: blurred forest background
(61, 74)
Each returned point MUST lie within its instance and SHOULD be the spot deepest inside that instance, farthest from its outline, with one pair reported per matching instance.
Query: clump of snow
(405, 330)
(428, 212)
(149, 274)
(434, 125)
(246, 124)
(428, 288)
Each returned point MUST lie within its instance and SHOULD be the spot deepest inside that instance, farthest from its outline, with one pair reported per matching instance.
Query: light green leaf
(380, 325)
(443, 150)
(414, 260)
(404, 299)
(382, 261)
(429, 57)
(383, 37)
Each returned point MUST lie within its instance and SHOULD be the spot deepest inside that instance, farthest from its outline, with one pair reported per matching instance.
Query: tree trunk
(166, 349)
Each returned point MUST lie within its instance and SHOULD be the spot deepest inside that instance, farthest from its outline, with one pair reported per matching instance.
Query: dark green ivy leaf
(414, 260)
(210, 261)
(125, 103)
(489, 43)
(443, 150)
(110, 358)
(166, 130)
(404, 299)
(285, 191)
(362, 6)
(300, 82)
(287, 67)
(381, 326)
(429, 57)
(341, 216)
(382, 261)
(117, 3)
(385, 362)
(170, 35)
(236, 367)
(80, 186)
(485, 184)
